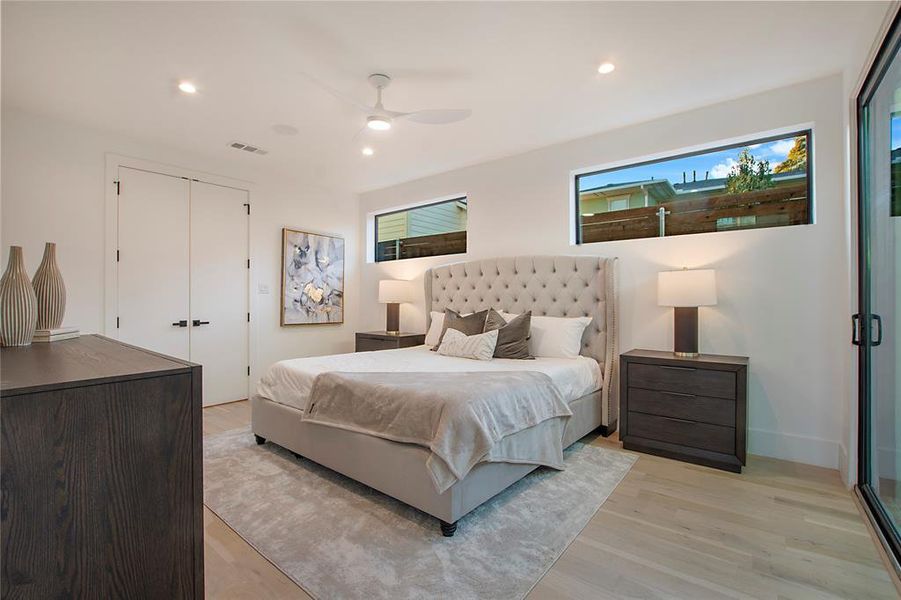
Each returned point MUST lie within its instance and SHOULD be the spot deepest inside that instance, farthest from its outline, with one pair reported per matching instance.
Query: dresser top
(701, 359)
(84, 360)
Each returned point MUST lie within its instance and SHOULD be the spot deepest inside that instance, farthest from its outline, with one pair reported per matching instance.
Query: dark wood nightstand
(381, 340)
(691, 409)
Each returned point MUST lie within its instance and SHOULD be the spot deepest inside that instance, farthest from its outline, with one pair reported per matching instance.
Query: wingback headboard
(555, 286)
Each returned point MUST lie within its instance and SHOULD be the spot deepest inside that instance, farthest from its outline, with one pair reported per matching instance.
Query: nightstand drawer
(704, 409)
(686, 433)
(370, 344)
(688, 380)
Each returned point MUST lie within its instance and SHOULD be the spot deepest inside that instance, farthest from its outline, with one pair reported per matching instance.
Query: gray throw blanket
(463, 418)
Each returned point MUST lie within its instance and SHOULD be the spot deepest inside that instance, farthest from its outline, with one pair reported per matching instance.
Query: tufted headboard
(555, 286)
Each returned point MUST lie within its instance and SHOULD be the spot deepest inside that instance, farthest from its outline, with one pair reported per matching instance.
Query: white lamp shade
(394, 290)
(686, 288)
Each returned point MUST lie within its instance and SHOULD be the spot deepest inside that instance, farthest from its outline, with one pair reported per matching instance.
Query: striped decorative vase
(50, 290)
(18, 305)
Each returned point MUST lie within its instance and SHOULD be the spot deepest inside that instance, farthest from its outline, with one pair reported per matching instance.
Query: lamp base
(685, 331)
(392, 323)
(687, 354)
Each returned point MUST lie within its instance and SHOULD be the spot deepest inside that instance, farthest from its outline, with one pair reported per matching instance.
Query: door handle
(878, 321)
(182, 323)
(197, 322)
(855, 329)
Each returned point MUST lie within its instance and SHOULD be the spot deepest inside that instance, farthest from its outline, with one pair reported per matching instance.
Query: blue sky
(718, 163)
(896, 131)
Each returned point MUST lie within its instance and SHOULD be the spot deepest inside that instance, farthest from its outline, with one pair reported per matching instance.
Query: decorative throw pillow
(468, 325)
(512, 337)
(556, 337)
(435, 329)
(479, 346)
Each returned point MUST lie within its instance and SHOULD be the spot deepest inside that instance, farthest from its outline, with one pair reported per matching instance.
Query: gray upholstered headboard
(555, 286)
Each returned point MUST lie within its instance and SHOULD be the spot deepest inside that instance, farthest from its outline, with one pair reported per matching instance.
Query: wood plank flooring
(779, 530)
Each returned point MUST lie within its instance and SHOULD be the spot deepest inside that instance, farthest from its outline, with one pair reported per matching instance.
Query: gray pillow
(468, 325)
(512, 337)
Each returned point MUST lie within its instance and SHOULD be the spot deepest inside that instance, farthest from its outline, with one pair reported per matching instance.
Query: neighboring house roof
(659, 188)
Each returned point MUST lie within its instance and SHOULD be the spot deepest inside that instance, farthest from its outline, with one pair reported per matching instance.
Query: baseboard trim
(796, 448)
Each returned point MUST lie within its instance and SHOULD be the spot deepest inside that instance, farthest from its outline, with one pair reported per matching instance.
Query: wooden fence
(422, 245)
(782, 205)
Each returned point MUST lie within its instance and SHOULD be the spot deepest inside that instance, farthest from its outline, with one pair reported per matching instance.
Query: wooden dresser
(382, 340)
(101, 468)
(691, 409)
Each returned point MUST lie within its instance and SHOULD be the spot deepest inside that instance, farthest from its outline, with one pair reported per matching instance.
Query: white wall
(783, 297)
(53, 183)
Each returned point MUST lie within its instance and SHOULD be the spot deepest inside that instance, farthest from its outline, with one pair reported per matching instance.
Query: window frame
(411, 207)
(742, 142)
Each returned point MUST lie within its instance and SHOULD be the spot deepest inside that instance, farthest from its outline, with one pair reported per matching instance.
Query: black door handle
(878, 321)
(197, 322)
(182, 323)
(855, 329)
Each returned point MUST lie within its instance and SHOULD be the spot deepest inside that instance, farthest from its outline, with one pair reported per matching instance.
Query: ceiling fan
(379, 118)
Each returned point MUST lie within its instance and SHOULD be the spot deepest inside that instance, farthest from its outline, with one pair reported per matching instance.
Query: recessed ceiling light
(367, 151)
(378, 123)
(606, 68)
(187, 87)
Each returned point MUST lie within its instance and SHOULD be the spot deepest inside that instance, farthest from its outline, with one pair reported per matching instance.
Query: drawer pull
(676, 419)
(677, 368)
(679, 394)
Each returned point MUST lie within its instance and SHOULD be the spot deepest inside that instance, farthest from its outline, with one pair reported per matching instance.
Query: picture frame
(312, 290)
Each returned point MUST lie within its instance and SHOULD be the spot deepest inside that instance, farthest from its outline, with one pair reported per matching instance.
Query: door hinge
(248, 370)
(118, 187)
(248, 263)
(117, 322)
(247, 206)
(248, 317)
(117, 256)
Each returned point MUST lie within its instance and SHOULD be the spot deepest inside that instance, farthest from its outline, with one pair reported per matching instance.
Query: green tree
(796, 159)
(749, 174)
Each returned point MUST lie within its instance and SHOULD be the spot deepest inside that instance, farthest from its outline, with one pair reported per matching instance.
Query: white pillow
(555, 337)
(479, 347)
(434, 332)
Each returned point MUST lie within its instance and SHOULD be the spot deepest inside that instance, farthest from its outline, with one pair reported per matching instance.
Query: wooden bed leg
(260, 439)
(607, 430)
(448, 529)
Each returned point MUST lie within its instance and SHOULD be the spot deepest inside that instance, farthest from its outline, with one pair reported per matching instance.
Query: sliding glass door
(877, 326)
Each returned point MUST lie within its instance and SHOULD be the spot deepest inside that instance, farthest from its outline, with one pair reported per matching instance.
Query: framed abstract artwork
(312, 278)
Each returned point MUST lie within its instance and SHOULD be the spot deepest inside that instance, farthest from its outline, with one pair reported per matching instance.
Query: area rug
(337, 538)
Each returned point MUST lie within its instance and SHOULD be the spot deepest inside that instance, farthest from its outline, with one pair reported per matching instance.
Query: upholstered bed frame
(561, 286)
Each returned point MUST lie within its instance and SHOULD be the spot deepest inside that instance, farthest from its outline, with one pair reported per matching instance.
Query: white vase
(49, 290)
(18, 304)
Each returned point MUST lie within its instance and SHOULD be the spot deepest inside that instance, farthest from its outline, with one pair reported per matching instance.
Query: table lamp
(392, 292)
(685, 291)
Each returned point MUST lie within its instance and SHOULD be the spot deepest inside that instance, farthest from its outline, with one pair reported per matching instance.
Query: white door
(153, 261)
(219, 290)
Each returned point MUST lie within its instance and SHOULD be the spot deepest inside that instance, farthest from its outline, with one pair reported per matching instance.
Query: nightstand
(381, 340)
(688, 408)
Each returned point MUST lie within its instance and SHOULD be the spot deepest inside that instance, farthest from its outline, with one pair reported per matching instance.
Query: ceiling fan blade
(440, 116)
(365, 108)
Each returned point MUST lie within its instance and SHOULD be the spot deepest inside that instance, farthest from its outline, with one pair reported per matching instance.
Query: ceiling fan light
(378, 123)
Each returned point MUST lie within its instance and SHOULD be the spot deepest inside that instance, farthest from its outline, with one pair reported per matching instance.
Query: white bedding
(288, 382)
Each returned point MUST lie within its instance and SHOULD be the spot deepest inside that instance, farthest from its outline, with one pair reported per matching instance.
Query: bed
(563, 286)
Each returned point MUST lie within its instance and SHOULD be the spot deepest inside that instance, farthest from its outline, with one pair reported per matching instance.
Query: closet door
(153, 266)
(219, 290)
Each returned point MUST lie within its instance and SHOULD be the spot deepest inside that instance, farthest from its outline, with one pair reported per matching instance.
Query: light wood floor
(669, 530)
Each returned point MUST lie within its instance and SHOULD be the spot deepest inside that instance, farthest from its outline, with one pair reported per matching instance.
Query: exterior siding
(438, 218)
(392, 227)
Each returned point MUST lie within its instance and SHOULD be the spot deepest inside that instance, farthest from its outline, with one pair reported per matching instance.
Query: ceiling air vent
(247, 148)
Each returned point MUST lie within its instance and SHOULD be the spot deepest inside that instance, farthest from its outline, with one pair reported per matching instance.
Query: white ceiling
(528, 71)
